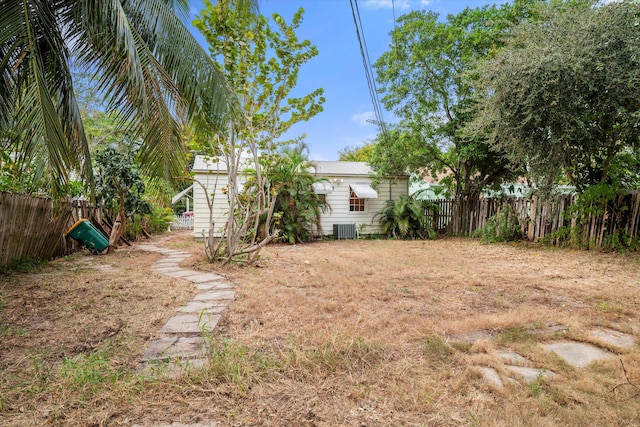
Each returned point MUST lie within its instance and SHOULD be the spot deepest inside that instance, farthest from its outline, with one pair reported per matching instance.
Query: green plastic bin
(84, 232)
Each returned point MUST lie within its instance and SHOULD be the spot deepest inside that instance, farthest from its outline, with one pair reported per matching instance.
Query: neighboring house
(353, 202)
(429, 188)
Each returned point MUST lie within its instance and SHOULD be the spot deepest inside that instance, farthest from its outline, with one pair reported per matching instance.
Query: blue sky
(338, 67)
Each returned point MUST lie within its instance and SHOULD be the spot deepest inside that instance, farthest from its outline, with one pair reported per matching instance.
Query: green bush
(407, 218)
(502, 227)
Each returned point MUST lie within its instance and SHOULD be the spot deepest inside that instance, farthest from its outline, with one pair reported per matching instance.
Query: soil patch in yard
(331, 333)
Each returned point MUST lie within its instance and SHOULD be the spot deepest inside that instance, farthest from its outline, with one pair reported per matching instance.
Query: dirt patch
(330, 333)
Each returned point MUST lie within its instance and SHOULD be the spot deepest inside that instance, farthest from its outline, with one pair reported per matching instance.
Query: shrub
(502, 227)
(407, 218)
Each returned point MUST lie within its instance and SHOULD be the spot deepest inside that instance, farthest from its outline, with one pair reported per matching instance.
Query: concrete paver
(530, 374)
(214, 285)
(181, 273)
(166, 269)
(215, 295)
(578, 354)
(181, 337)
(157, 347)
(203, 277)
(190, 323)
(512, 357)
(208, 307)
(491, 376)
(611, 337)
(472, 337)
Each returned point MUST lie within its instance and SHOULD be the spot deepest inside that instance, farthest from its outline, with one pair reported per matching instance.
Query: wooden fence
(544, 218)
(31, 227)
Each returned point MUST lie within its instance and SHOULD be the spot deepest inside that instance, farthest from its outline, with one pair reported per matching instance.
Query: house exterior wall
(214, 184)
(366, 222)
(338, 201)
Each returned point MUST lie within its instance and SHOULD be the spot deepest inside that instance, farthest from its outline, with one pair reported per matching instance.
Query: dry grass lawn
(334, 333)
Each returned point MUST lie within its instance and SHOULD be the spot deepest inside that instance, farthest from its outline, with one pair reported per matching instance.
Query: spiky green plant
(407, 218)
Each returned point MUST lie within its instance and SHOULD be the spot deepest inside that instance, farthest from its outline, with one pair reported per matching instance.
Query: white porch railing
(182, 222)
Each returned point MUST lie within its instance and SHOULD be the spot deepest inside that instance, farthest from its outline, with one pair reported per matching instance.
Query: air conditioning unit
(344, 231)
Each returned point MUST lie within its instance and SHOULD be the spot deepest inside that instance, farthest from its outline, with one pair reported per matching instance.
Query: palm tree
(144, 58)
(297, 205)
(407, 218)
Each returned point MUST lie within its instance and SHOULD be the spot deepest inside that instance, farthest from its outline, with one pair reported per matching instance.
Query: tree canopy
(563, 95)
(261, 59)
(424, 80)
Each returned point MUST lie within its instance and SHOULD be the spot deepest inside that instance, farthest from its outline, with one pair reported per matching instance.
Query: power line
(366, 61)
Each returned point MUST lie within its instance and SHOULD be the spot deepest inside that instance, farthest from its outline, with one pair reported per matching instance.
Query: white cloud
(389, 4)
(361, 119)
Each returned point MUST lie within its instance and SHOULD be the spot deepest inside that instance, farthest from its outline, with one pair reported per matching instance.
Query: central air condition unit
(344, 231)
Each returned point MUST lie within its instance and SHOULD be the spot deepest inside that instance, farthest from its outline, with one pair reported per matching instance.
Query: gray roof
(322, 168)
(325, 168)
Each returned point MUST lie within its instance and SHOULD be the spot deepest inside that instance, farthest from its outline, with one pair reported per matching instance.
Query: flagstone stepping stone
(550, 328)
(173, 260)
(182, 273)
(203, 307)
(491, 376)
(611, 337)
(215, 296)
(172, 368)
(167, 269)
(530, 374)
(512, 357)
(197, 277)
(190, 323)
(158, 346)
(578, 354)
(214, 285)
(175, 348)
(472, 337)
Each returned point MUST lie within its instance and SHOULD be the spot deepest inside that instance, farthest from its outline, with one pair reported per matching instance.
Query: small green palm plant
(408, 218)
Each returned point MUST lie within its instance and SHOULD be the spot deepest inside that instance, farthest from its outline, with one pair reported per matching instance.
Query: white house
(351, 197)
(348, 190)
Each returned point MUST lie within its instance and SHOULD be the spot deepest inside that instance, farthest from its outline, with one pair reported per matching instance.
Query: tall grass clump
(502, 227)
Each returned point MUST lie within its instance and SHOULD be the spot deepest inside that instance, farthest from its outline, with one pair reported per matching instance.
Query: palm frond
(38, 107)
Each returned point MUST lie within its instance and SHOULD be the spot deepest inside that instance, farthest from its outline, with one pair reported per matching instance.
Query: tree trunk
(118, 226)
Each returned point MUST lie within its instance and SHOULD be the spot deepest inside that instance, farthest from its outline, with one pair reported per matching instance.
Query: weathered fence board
(31, 227)
(542, 219)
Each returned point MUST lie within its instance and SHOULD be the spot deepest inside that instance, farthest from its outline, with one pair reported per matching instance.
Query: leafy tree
(361, 153)
(407, 218)
(120, 189)
(261, 60)
(424, 80)
(563, 96)
(144, 57)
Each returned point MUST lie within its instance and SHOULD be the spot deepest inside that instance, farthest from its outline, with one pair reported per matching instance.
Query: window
(356, 204)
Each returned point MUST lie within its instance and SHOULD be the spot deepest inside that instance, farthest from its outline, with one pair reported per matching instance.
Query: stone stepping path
(577, 354)
(181, 338)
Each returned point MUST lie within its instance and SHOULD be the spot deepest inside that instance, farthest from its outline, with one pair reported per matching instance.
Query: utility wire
(366, 61)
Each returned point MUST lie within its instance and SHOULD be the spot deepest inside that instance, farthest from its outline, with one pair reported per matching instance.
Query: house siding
(214, 184)
(366, 222)
(342, 175)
